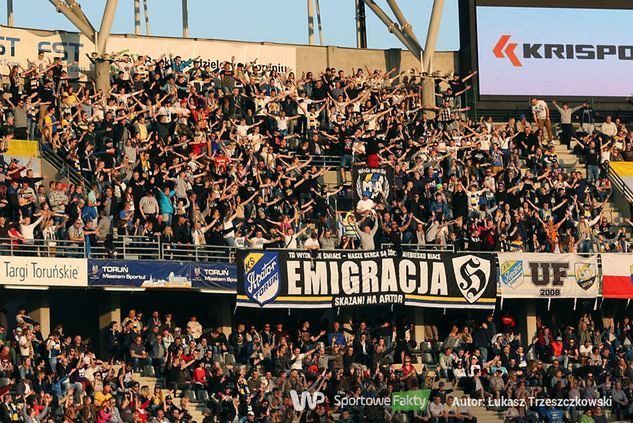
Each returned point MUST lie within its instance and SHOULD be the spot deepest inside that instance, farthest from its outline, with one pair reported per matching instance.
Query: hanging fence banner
(43, 271)
(535, 275)
(218, 276)
(617, 276)
(139, 273)
(293, 279)
(163, 274)
(376, 184)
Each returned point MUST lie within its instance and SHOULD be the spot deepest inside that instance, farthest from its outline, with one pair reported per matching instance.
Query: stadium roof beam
(137, 17)
(431, 37)
(185, 19)
(76, 8)
(77, 17)
(404, 24)
(395, 29)
(106, 25)
(146, 13)
(318, 15)
(310, 23)
(361, 24)
(10, 21)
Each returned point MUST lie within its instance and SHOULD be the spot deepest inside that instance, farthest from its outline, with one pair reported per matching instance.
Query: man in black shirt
(592, 159)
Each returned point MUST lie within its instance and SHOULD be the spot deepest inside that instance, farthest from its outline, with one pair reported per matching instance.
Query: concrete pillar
(42, 314)
(110, 311)
(102, 75)
(428, 96)
(530, 322)
(418, 328)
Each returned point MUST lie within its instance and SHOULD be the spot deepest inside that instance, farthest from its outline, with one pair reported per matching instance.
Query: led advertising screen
(536, 51)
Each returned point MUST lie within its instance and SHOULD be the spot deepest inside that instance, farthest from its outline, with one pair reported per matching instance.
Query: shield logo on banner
(374, 185)
(472, 274)
(262, 278)
(585, 275)
(512, 273)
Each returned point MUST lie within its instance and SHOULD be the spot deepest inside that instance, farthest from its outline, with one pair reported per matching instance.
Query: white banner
(525, 51)
(534, 275)
(40, 271)
(18, 46)
(280, 58)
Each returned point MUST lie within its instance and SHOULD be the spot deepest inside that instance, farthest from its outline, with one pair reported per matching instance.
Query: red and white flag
(617, 276)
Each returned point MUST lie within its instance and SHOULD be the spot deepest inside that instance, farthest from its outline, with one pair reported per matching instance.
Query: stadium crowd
(234, 156)
(251, 374)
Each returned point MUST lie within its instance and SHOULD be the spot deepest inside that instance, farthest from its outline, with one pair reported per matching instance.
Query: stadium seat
(229, 359)
(426, 346)
(427, 358)
(148, 371)
(4, 381)
(203, 396)
(218, 358)
(191, 395)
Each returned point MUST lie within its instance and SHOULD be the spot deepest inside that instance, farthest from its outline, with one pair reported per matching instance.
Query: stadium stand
(184, 156)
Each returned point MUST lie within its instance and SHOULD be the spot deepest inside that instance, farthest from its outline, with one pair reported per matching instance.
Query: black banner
(376, 184)
(292, 279)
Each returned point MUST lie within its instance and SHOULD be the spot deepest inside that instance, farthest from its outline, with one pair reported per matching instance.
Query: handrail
(438, 248)
(617, 181)
(59, 163)
(206, 253)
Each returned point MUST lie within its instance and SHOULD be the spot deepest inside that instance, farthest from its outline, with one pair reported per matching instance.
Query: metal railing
(436, 248)
(42, 248)
(123, 247)
(148, 248)
(204, 253)
(129, 248)
(63, 168)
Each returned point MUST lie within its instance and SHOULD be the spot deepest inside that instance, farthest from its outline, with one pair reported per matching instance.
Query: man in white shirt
(297, 358)
(436, 408)
(27, 229)
(312, 243)
(609, 128)
(540, 113)
(365, 205)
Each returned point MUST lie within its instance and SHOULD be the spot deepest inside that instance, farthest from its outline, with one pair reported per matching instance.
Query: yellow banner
(22, 148)
(622, 168)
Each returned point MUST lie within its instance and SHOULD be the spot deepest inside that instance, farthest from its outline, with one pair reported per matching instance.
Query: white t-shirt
(540, 109)
(291, 241)
(311, 244)
(365, 205)
(257, 243)
(609, 129)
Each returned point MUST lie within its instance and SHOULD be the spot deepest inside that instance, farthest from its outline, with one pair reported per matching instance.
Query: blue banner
(221, 276)
(162, 274)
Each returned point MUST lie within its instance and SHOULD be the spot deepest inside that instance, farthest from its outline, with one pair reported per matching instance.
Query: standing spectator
(541, 116)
